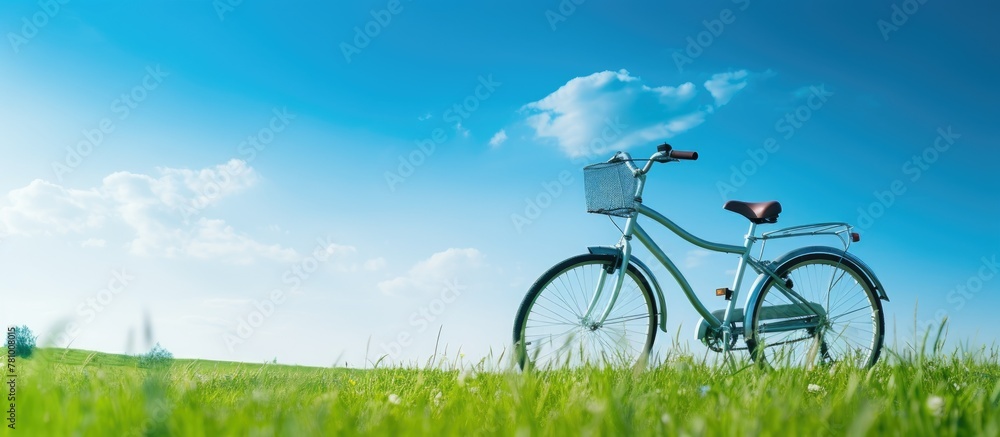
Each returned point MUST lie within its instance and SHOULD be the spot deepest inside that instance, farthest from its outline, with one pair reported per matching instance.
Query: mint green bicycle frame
(732, 314)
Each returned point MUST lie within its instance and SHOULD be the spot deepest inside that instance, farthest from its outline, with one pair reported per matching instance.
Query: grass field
(73, 392)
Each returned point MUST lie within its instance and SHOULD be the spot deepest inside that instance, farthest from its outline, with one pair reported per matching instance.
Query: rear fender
(848, 258)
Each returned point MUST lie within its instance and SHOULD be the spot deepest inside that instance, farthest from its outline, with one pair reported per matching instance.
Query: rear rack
(839, 230)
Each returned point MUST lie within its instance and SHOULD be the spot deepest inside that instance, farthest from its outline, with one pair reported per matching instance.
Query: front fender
(848, 258)
(661, 302)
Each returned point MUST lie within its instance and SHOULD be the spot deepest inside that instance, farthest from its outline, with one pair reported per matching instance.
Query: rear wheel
(842, 321)
(550, 329)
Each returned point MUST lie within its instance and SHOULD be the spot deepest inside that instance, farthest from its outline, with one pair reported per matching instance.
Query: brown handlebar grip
(680, 154)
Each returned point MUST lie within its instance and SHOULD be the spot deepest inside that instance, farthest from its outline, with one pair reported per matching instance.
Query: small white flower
(596, 407)
(463, 375)
(936, 405)
(665, 418)
(394, 399)
(813, 388)
(437, 399)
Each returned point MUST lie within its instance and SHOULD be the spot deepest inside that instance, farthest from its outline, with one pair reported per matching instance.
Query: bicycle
(813, 305)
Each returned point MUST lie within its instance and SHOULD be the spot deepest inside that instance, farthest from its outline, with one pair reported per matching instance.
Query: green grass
(86, 393)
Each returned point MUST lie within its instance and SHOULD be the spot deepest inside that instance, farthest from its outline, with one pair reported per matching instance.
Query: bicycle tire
(636, 300)
(832, 335)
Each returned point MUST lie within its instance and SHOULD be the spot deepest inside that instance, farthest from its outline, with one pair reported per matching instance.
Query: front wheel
(831, 314)
(551, 331)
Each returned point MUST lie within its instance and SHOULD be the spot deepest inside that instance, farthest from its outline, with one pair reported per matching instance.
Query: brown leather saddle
(757, 212)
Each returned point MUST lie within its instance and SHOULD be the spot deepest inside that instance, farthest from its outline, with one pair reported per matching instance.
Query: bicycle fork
(626, 250)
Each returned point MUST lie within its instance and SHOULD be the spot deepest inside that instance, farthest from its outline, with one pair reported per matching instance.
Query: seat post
(747, 242)
(731, 311)
(737, 283)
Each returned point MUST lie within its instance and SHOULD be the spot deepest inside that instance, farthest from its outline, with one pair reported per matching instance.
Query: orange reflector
(855, 237)
(724, 292)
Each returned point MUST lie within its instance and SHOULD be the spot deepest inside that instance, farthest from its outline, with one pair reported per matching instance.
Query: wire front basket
(610, 188)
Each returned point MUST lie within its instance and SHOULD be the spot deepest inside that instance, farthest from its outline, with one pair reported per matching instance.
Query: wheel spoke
(553, 329)
(851, 330)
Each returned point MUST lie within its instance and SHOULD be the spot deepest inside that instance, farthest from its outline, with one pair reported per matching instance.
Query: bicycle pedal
(724, 292)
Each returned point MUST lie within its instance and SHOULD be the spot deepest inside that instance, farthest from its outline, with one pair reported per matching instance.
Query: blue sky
(169, 182)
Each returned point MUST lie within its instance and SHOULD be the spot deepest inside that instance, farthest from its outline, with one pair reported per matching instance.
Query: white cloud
(498, 138)
(461, 130)
(278, 229)
(723, 86)
(345, 259)
(222, 302)
(48, 209)
(214, 239)
(340, 250)
(209, 185)
(216, 322)
(374, 264)
(609, 111)
(161, 214)
(93, 242)
(435, 273)
(696, 258)
(425, 117)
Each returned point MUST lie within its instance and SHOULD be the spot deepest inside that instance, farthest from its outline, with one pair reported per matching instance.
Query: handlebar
(680, 154)
(676, 154)
(664, 153)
